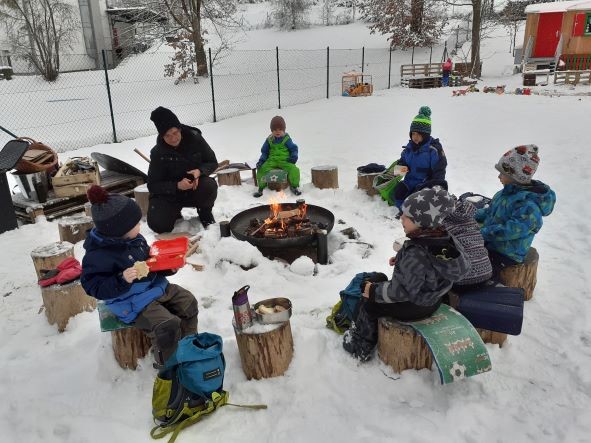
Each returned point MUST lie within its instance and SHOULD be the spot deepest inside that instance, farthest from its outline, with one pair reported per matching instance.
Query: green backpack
(190, 386)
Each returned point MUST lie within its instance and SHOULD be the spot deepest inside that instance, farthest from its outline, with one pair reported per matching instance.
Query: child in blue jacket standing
(515, 213)
(424, 157)
(165, 311)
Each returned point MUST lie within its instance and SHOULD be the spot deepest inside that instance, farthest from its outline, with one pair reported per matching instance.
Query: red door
(548, 36)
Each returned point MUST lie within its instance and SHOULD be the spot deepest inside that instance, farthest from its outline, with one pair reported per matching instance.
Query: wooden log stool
(62, 302)
(276, 179)
(73, 229)
(49, 256)
(129, 343)
(365, 182)
(229, 177)
(495, 338)
(401, 347)
(142, 198)
(522, 275)
(265, 354)
(325, 177)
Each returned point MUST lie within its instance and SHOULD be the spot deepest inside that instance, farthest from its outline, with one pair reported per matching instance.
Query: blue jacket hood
(538, 192)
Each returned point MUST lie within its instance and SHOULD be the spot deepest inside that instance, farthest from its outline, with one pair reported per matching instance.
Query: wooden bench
(129, 343)
(530, 74)
(54, 207)
(572, 77)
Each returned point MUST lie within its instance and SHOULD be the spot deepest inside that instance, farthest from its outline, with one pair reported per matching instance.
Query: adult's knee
(160, 219)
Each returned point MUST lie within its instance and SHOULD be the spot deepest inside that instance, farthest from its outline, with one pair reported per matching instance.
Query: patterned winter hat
(277, 122)
(422, 122)
(114, 215)
(428, 207)
(520, 163)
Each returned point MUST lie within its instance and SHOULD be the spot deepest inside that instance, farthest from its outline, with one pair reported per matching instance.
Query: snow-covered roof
(576, 5)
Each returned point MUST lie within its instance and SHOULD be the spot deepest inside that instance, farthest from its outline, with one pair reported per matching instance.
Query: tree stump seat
(365, 182)
(129, 343)
(325, 177)
(73, 228)
(446, 338)
(142, 198)
(267, 353)
(522, 275)
(62, 302)
(229, 177)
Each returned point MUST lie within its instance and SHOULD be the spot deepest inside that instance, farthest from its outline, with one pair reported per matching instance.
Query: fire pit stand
(313, 243)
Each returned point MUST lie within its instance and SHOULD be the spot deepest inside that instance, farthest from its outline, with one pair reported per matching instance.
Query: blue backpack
(345, 311)
(190, 386)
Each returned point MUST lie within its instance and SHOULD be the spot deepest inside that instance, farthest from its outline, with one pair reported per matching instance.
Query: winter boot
(356, 345)
(205, 216)
(258, 194)
(295, 190)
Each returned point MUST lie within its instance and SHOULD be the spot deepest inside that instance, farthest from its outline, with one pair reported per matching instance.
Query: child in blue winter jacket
(424, 157)
(515, 213)
(165, 311)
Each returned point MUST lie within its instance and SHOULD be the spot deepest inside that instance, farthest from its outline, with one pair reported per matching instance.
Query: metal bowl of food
(273, 310)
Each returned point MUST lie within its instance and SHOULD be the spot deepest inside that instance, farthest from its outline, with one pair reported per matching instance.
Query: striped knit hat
(422, 122)
(460, 224)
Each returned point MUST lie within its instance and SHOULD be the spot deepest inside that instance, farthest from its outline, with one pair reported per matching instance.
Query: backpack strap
(218, 399)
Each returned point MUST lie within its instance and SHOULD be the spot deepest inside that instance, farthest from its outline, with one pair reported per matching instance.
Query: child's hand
(130, 274)
(392, 261)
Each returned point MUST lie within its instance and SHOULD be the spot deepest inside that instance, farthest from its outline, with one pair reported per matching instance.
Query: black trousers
(165, 210)
(366, 323)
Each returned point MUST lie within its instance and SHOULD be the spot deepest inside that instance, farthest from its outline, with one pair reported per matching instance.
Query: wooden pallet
(55, 207)
(424, 82)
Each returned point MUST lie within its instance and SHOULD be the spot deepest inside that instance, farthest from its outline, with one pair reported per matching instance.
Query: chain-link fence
(84, 108)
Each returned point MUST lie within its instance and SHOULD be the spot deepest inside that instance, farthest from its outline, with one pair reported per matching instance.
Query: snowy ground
(68, 388)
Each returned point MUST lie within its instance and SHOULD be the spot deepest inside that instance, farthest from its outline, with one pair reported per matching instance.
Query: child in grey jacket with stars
(424, 270)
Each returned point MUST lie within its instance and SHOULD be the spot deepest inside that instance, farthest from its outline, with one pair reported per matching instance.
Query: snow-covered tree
(406, 22)
(291, 14)
(39, 30)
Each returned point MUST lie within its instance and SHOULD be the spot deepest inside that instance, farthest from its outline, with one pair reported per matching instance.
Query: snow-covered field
(68, 388)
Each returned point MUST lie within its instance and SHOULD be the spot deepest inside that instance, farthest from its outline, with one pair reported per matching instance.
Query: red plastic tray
(168, 254)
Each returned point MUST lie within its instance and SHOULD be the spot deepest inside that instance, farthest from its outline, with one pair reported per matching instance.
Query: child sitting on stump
(424, 157)
(165, 311)
(514, 216)
(465, 231)
(278, 152)
(424, 270)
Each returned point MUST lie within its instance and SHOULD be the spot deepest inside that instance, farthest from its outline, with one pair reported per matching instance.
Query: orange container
(168, 254)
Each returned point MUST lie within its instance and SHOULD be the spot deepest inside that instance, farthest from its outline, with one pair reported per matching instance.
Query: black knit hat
(114, 215)
(422, 122)
(164, 119)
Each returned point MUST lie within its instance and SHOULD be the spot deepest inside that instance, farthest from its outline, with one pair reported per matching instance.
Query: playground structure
(355, 84)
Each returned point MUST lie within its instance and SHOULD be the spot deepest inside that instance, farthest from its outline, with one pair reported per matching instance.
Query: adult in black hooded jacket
(178, 176)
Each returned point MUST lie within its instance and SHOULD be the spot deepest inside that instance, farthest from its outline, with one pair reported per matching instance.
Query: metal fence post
(362, 59)
(412, 58)
(430, 54)
(211, 81)
(109, 95)
(390, 68)
(327, 71)
(278, 84)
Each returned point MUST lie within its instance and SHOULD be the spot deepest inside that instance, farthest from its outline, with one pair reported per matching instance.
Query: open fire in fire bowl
(285, 230)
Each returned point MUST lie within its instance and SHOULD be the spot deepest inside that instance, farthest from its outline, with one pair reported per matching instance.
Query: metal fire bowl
(241, 221)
